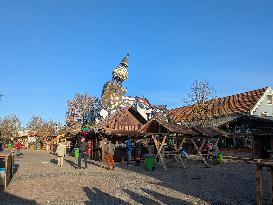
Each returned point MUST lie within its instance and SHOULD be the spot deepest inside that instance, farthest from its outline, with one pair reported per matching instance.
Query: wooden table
(259, 186)
(175, 154)
(8, 159)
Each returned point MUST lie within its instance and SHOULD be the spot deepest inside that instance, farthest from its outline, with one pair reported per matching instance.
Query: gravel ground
(39, 181)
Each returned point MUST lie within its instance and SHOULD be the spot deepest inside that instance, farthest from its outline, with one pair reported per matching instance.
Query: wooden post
(178, 156)
(271, 185)
(216, 143)
(159, 149)
(181, 144)
(259, 188)
(199, 152)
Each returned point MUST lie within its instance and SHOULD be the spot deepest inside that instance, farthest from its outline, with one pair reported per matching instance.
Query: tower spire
(120, 73)
(124, 61)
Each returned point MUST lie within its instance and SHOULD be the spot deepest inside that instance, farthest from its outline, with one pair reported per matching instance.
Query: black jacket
(83, 147)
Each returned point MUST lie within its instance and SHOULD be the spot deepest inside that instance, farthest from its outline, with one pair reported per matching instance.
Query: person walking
(18, 147)
(83, 148)
(61, 152)
(215, 153)
(89, 151)
(129, 150)
(98, 150)
(1, 146)
(110, 151)
(138, 154)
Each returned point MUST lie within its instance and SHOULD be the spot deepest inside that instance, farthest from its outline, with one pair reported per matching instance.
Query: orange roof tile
(238, 103)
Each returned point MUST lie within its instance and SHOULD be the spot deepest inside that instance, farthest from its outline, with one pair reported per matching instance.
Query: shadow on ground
(160, 197)
(96, 196)
(94, 163)
(208, 184)
(54, 161)
(15, 168)
(71, 163)
(9, 199)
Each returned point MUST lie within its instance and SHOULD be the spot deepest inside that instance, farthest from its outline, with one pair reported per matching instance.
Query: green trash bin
(149, 162)
(220, 157)
(77, 153)
(10, 146)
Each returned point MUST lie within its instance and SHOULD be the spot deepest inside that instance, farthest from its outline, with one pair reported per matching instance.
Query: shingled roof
(230, 105)
(109, 124)
(160, 126)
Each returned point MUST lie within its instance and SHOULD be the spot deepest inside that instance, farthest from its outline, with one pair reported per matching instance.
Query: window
(264, 114)
(269, 99)
(141, 105)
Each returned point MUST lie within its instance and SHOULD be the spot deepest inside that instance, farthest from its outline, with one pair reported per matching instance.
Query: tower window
(264, 114)
(269, 99)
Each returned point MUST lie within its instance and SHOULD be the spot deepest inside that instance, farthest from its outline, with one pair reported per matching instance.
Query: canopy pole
(159, 149)
(178, 156)
(199, 151)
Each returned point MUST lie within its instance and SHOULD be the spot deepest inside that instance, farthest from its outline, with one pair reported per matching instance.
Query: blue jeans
(18, 152)
(129, 155)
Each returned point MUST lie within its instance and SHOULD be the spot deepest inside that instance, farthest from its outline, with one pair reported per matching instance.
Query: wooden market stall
(160, 131)
(250, 136)
(118, 127)
(6, 167)
(206, 134)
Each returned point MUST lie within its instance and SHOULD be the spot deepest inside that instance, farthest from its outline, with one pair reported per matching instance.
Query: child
(184, 154)
(77, 153)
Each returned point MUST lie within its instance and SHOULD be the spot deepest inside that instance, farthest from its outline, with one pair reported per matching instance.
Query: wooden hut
(117, 127)
(164, 133)
(251, 136)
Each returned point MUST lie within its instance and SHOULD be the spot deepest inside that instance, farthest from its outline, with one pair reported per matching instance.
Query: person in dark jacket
(1, 146)
(129, 149)
(138, 154)
(83, 148)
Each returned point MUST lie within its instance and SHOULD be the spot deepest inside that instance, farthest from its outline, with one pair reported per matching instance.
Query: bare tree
(200, 103)
(10, 127)
(76, 108)
(35, 124)
(43, 128)
(50, 128)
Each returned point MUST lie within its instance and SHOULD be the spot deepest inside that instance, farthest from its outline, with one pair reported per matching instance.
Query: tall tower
(113, 92)
(120, 73)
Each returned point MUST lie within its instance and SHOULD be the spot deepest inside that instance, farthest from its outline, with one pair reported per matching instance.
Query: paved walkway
(39, 181)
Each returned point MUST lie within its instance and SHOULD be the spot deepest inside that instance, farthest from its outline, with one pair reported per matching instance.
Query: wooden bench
(169, 153)
(6, 172)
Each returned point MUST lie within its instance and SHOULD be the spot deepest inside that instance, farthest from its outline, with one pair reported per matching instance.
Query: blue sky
(49, 50)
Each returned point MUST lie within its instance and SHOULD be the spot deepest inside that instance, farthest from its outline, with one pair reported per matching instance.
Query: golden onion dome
(120, 73)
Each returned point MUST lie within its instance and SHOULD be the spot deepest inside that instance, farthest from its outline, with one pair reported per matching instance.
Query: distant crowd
(83, 152)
